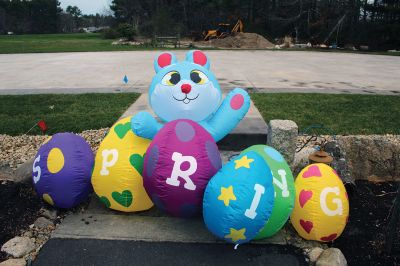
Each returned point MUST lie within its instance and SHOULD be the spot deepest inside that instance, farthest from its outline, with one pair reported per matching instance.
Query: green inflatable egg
(284, 189)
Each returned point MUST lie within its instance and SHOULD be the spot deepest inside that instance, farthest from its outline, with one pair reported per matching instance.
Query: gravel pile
(15, 150)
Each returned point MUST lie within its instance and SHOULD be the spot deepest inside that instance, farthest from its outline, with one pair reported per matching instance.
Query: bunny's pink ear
(163, 60)
(198, 57)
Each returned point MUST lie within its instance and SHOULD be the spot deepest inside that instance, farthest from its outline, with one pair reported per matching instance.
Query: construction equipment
(223, 31)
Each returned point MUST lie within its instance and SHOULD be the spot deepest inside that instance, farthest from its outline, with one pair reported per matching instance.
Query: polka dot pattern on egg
(48, 199)
(274, 154)
(55, 160)
(184, 131)
(213, 154)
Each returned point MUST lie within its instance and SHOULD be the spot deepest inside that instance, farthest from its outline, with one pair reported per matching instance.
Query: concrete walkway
(251, 130)
(259, 71)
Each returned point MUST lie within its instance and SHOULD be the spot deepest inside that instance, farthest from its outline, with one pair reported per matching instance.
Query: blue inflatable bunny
(189, 90)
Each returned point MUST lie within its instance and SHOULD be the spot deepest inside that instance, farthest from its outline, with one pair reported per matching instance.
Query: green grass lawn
(72, 112)
(52, 43)
(344, 113)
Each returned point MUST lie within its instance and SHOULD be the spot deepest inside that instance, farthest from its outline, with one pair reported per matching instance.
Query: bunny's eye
(198, 77)
(171, 78)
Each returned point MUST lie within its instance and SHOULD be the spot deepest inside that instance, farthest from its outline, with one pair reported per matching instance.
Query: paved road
(262, 71)
(105, 252)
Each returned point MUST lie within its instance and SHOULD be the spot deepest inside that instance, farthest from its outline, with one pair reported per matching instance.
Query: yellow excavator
(223, 31)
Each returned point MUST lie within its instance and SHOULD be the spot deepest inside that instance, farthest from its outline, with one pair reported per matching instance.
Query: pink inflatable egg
(178, 164)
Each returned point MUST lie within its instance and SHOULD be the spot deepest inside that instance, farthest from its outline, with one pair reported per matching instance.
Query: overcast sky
(87, 6)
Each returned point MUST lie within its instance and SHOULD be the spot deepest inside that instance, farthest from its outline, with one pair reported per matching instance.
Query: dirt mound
(240, 40)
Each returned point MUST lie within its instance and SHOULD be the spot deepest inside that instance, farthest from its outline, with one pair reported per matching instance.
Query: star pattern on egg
(227, 195)
(243, 162)
(236, 235)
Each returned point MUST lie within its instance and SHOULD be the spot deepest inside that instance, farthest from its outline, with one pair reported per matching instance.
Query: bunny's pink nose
(186, 88)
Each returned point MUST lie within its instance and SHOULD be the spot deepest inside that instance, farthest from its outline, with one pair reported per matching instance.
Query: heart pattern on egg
(304, 196)
(329, 238)
(125, 198)
(105, 201)
(307, 225)
(313, 170)
(136, 161)
(122, 129)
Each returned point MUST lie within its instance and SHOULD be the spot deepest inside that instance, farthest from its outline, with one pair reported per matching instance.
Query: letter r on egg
(179, 159)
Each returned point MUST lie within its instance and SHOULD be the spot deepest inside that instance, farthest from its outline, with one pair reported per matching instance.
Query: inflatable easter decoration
(178, 165)
(238, 200)
(321, 208)
(62, 169)
(284, 189)
(117, 174)
(189, 90)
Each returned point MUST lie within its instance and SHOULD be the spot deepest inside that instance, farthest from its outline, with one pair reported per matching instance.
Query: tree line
(355, 22)
(375, 23)
(45, 16)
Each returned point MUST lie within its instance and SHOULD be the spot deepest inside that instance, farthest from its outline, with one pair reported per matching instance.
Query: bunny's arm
(232, 110)
(144, 125)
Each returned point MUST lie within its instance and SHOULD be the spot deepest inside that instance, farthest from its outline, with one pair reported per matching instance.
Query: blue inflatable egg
(238, 200)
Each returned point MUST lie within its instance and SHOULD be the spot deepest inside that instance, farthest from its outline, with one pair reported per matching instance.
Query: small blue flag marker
(125, 79)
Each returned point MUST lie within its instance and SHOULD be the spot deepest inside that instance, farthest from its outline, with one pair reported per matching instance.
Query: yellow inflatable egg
(321, 207)
(117, 174)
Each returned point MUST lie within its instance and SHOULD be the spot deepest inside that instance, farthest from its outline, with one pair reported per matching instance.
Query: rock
(282, 135)
(28, 234)
(42, 222)
(301, 160)
(49, 214)
(331, 257)
(227, 156)
(18, 246)
(314, 254)
(372, 155)
(23, 174)
(339, 162)
(6, 173)
(13, 262)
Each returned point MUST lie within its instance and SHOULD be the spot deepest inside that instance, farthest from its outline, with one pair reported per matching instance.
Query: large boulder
(23, 174)
(372, 156)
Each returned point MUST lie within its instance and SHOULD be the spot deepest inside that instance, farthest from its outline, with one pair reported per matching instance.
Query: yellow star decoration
(227, 195)
(236, 235)
(243, 162)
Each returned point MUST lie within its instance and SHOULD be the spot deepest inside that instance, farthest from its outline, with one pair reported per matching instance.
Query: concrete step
(141, 227)
(250, 131)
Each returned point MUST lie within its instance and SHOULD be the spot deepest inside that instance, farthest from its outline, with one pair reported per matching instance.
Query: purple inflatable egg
(178, 164)
(62, 170)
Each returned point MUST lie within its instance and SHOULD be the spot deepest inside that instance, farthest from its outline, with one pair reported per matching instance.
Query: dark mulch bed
(19, 207)
(363, 241)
